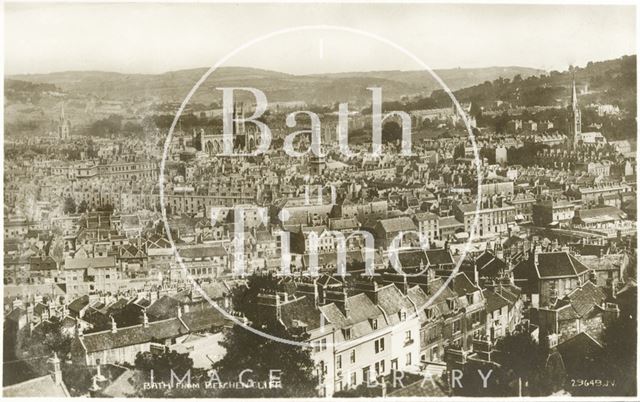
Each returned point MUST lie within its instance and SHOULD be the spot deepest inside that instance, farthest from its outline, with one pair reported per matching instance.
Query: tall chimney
(114, 327)
(145, 319)
(54, 369)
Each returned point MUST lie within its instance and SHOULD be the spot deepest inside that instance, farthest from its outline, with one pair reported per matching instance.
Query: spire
(62, 112)
(574, 96)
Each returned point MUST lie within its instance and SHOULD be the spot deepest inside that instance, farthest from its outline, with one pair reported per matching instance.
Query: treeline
(26, 91)
(113, 125)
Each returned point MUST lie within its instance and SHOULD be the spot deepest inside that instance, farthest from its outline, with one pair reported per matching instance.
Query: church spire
(575, 118)
(574, 96)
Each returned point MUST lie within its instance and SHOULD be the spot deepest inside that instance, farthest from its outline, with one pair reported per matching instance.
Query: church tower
(63, 125)
(574, 118)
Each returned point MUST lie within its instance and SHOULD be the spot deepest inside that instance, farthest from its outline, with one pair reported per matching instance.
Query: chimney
(346, 308)
(476, 275)
(54, 369)
(316, 295)
(145, 319)
(186, 308)
(79, 330)
(179, 312)
(114, 327)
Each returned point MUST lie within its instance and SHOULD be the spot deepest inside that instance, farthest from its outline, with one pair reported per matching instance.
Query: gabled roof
(489, 265)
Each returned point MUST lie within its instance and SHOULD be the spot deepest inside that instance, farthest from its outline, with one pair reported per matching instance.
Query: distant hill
(611, 82)
(314, 89)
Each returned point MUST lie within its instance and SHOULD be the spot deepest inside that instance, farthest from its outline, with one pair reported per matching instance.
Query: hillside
(316, 89)
(611, 82)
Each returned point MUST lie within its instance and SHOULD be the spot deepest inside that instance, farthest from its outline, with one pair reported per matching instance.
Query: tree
(69, 206)
(265, 356)
(391, 132)
(619, 341)
(83, 207)
(523, 359)
(248, 350)
(46, 339)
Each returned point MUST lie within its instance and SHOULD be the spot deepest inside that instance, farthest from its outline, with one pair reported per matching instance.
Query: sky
(156, 38)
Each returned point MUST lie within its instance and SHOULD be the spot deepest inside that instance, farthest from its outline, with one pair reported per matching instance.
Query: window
(379, 345)
(451, 304)
(353, 356)
(346, 333)
(379, 366)
(374, 323)
(323, 367)
(407, 336)
(456, 326)
(366, 374)
(323, 344)
(408, 359)
(429, 313)
(403, 315)
(353, 379)
(339, 362)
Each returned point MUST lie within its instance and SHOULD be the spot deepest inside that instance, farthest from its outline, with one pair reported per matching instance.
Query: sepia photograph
(319, 200)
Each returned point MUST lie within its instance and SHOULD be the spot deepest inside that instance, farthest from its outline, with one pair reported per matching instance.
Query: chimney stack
(145, 319)
(54, 369)
(114, 327)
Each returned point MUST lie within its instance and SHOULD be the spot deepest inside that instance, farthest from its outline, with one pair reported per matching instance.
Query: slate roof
(421, 388)
(85, 263)
(462, 285)
(302, 309)
(43, 264)
(584, 298)
(392, 301)
(37, 387)
(361, 309)
(494, 301)
(397, 224)
(581, 356)
(158, 330)
(79, 303)
(202, 252)
(439, 257)
(163, 308)
(489, 265)
(559, 264)
(201, 319)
